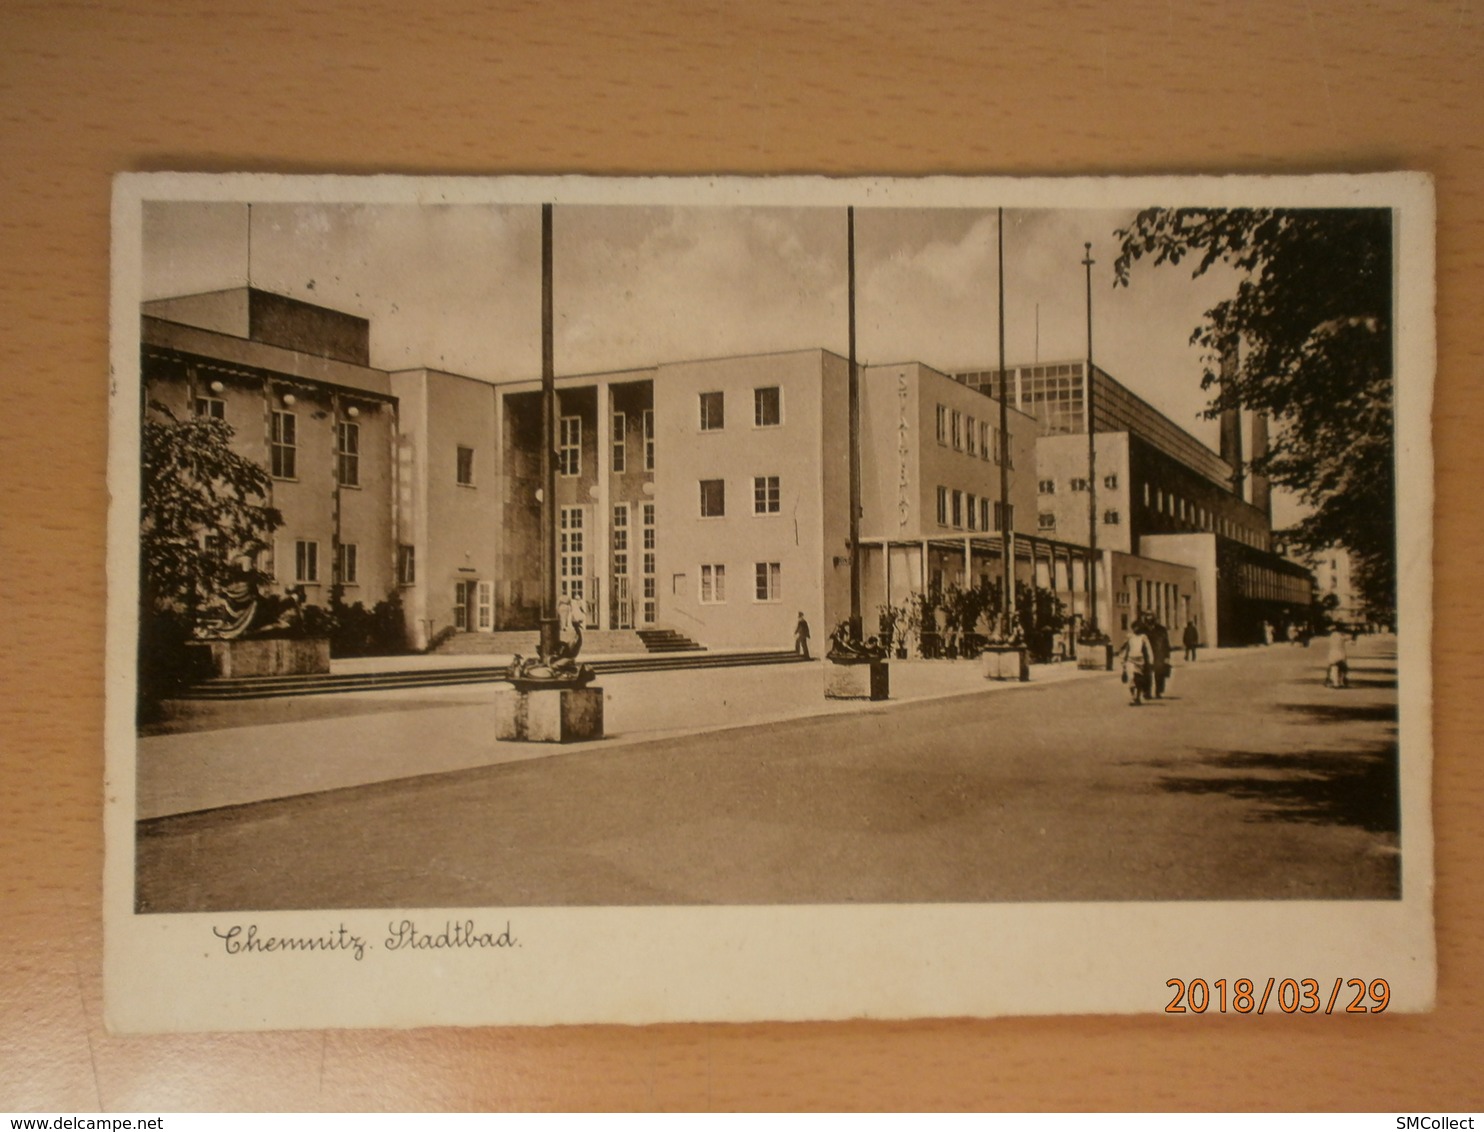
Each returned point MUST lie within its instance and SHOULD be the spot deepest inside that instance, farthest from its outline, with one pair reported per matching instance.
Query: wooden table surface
(936, 86)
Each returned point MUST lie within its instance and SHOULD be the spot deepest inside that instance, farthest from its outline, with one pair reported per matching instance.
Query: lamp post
(1007, 528)
(853, 395)
(1092, 462)
(550, 625)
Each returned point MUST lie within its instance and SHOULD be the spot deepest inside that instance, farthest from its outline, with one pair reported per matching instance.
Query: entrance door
(622, 613)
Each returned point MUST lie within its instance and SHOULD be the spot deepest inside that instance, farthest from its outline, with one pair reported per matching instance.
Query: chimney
(1261, 489)
(1231, 423)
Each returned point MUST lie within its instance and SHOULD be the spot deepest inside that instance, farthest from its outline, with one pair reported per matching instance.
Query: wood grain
(863, 87)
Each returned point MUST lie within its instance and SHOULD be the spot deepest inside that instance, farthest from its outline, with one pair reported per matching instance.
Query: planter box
(1095, 658)
(1003, 662)
(556, 715)
(868, 680)
(264, 656)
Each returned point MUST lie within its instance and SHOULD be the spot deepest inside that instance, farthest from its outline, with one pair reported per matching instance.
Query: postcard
(576, 600)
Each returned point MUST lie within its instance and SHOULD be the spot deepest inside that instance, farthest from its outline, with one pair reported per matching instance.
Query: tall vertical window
(942, 424)
(348, 453)
(283, 449)
(211, 407)
(958, 431)
(984, 522)
(620, 447)
(942, 507)
(984, 444)
(998, 456)
(650, 589)
(765, 495)
(971, 512)
(347, 571)
(573, 548)
(649, 440)
(1004, 516)
(768, 576)
(713, 498)
(306, 561)
(767, 406)
(713, 584)
(406, 565)
(971, 436)
(569, 451)
(465, 466)
(1009, 451)
(958, 508)
(713, 412)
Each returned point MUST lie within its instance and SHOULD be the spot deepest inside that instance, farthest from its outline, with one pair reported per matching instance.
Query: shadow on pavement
(1345, 713)
(1318, 787)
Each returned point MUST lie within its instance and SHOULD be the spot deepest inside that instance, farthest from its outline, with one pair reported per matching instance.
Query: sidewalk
(256, 751)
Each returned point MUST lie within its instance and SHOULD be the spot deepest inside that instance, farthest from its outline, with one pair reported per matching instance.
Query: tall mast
(1092, 462)
(550, 627)
(853, 395)
(1007, 528)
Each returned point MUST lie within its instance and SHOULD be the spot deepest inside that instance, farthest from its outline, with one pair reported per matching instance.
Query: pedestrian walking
(1159, 645)
(1267, 632)
(1191, 639)
(1337, 674)
(801, 636)
(1138, 660)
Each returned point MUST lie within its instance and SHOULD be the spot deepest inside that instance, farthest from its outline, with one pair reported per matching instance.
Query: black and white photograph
(579, 600)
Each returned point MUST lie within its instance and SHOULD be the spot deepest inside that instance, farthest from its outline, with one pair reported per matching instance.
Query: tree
(203, 511)
(1312, 315)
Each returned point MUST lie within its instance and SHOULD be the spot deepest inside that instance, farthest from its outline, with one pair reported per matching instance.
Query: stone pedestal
(1095, 658)
(866, 680)
(556, 715)
(1004, 662)
(262, 656)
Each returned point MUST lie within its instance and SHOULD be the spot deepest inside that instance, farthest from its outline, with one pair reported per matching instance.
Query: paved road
(1250, 781)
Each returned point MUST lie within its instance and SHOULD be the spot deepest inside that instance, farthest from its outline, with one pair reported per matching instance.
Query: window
(283, 449)
(213, 407)
(942, 507)
(1147, 494)
(1079, 483)
(767, 406)
(306, 561)
(958, 508)
(958, 431)
(713, 499)
(1046, 487)
(765, 495)
(620, 451)
(1110, 482)
(346, 564)
(1009, 451)
(1111, 518)
(649, 440)
(971, 436)
(984, 514)
(348, 454)
(406, 565)
(971, 512)
(572, 576)
(650, 609)
(713, 584)
(1000, 515)
(466, 466)
(984, 444)
(1046, 521)
(569, 451)
(942, 424)
(713, 412)
(768, 587)
(997, 446)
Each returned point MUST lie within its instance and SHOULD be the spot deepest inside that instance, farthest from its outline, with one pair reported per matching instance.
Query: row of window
(569, 448)
(767, 582)
(975, 437)
(767, 409)
(283, 443)
(1046, 520)
(767, 497)
(1168, 503)
(346, 568)
(964, 510)
(1076, 483)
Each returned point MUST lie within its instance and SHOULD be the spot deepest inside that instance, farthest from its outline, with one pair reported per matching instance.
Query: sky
(457, 287)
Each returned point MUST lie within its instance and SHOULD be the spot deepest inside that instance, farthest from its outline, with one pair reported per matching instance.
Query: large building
(1161, 497)
(709, 497)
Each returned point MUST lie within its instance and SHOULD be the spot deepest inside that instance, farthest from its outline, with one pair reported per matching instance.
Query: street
(1249, 781)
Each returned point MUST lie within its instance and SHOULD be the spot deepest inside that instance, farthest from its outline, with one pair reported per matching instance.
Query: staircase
(266, 687)
(667, 640)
